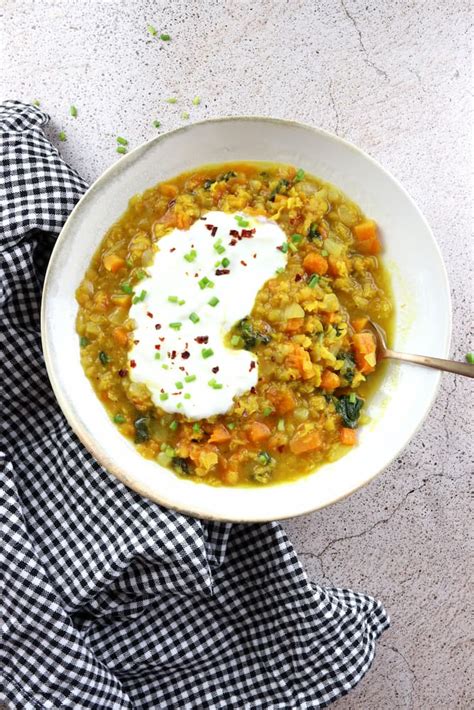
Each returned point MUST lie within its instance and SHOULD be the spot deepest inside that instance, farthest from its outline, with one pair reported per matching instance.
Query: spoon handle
(459, 368)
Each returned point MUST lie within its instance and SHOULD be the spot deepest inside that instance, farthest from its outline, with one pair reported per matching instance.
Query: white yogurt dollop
(190, 301)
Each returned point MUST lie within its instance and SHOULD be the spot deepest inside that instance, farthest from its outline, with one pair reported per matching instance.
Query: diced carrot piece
(120, 335)
(258, 432)
(293, 325)
(366, 235)
(359, 323)
(282, 399)
(300, 360)
(168, 190)
(314, 263)
(329, 380)
(220, 435)
(365, 349)
(365, 230)
(302, 443)
(347, 436)
(113, 263)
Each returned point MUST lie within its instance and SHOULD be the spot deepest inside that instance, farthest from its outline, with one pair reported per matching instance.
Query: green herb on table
(470, 358)
(171, 100)
(152, 30)
(35, 102)
(122, 141)
(62, 136)
(165, 37)
(121, 149)
(73, 111)
(185, 115)
(156, 124)
(196, 101)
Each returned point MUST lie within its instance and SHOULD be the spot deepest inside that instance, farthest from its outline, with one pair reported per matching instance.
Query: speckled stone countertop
(395, 79)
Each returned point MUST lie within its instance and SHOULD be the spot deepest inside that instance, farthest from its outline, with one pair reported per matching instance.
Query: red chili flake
(161, 339)
(247, 233)
(196, 275)
(122, 373)
(150, 315)
(213, 231)
(234, 233)
(209, 226)
(222, 272)
(157, 326)
(254, 256)
(171, 203)
(133, 363)
(243, 262)
(157, 347)
(183, 369)
(253, 390)
(202, 339)
(136, 342)
(280, 248)
(252, 366)
(173, 354)
(185, 355)
(173, 249)
(215, 369)
(298, 277)
(281, 449)
(233, 242)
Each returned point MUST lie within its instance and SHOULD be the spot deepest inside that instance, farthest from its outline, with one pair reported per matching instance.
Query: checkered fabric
(108, 600)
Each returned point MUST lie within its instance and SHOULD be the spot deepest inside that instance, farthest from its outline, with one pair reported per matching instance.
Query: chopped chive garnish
(241, 221)
(324, 252)
(207, 352)
(215, 385)
(213, 301)
(121, 149)
(235, 341)
(314, 280)
(165, 367)
(173, 299)
(181, 302)
(129, 263)
(281, 425)
(190, 378)
(264, 458)
(284, 247)
(194, 317)
(163, 396)
(165, 37)
(299, 175)
(292, 247)
(171, 100)
(225, 262)
(126, 288)
(83, 341)
(140, 274)
(196, 101)
(119, 419)
(122, 141)
(179, 405)
(196, 428)
(470, 358)
(103, 357)
(157, 356)
(73, 111)
(152, 30)
(185, 115)
(352, 398)
(205, 283)
(231, 425)
(220, 249)
(174, 425)
(156, 124)
(280, 270)
(175, 326)
(191, 256)
(267, 411)
(62, 136)
(216, 264)
(140, 298)
(187, 396)
(295, 238)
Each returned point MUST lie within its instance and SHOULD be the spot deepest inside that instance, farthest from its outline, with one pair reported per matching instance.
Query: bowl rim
(68, 410)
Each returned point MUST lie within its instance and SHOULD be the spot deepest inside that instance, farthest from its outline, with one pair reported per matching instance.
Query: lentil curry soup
(223, 322)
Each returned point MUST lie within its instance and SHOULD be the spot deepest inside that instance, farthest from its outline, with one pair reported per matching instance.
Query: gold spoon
(459, 368)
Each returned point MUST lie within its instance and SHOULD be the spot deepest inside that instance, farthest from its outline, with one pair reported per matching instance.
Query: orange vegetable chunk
(314, 263)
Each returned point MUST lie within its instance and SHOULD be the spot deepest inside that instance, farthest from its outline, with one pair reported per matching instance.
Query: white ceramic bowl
(423, 311)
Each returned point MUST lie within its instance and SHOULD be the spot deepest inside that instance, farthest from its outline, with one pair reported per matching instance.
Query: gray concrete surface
(394, 78)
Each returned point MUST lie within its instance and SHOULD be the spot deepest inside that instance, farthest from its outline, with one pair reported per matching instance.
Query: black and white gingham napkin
(110, 601)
